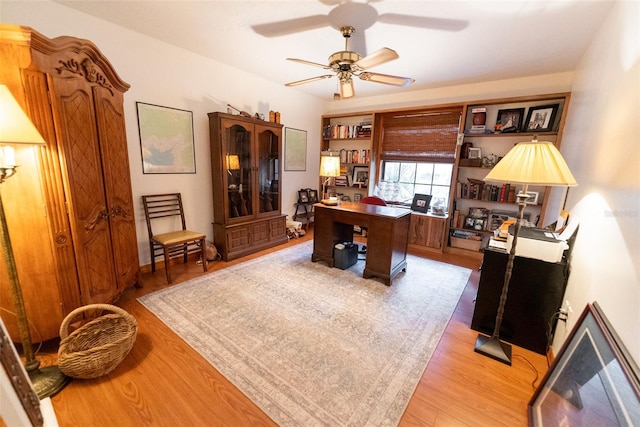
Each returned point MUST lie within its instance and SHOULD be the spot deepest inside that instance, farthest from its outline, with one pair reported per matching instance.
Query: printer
(538, 243)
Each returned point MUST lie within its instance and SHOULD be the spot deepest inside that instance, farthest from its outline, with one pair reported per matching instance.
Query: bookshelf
(349, 137)
(478, 207)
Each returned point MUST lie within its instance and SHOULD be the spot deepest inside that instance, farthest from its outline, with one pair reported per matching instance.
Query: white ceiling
(492, 40)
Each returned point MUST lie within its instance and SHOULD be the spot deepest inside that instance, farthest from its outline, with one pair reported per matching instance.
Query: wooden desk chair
(173, 243)
(370, 200)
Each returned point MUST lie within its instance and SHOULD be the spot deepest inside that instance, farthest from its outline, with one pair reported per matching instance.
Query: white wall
(164, 75)
(601, 147)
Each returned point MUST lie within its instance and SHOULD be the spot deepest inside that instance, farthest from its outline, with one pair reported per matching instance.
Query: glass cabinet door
(238, 165)
(268, 170)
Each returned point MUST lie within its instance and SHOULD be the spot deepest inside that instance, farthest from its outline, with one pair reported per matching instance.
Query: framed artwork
(166, 139)
(540, 119)
(360, 176)
(593, 378)
(313, 196)
(496, 218)
(303, 196)
(421, 202)
(295, 149)
(509, 120)
(533, 197)
(475, 153)
(357, 197)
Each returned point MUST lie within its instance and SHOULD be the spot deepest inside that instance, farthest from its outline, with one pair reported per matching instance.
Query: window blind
(428, 136)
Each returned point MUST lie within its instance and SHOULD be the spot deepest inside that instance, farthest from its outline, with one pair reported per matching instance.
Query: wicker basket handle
(67, 320)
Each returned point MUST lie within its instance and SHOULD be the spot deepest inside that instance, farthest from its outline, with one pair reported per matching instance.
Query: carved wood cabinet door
(100, 202)
(86, 197)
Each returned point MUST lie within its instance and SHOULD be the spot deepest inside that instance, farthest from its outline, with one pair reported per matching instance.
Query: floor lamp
(329, 167)
(16, 128)
(528, 163)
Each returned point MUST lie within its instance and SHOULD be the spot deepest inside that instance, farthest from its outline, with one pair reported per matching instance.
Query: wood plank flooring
(164, 382)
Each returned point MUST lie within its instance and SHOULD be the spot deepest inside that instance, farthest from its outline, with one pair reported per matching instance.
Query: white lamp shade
(15, 126)
(535, 163)
(329, 166)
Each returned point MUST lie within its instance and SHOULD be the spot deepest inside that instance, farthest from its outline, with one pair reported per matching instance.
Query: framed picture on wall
(166, 139)
(295, 149)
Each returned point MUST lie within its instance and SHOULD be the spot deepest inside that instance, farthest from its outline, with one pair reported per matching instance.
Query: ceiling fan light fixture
(346, 88)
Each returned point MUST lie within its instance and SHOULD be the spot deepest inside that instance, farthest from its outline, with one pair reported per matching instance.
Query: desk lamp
(16, 128)
(329, 167)
(535, 163)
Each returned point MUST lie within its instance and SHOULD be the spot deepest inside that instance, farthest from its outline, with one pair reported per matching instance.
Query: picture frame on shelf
(357, 197)
(533, 197)
(303, 196)
(497, 217)
(594, 376)
(313, 196)
(360, 176)
(509, 120)
(475, 153)
(421, 202)
(541, 118)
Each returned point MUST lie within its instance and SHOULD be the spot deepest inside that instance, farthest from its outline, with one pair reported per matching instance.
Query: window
(402, 180)
(417, 153)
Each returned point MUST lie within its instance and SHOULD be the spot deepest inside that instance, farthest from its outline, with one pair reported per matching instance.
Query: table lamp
(535, 163)
(16, 128)
(329, 167)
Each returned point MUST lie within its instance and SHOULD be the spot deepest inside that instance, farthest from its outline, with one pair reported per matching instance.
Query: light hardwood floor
(164, 382)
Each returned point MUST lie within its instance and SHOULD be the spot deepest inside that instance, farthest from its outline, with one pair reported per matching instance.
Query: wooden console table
(387, 237)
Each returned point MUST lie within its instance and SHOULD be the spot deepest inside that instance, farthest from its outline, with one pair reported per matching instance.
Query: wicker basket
(97, 347)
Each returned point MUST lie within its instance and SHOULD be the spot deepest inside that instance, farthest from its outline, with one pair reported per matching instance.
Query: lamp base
(494, 348)
(48, 381)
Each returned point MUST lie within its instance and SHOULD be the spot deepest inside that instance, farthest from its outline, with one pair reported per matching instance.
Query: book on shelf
(341, 131)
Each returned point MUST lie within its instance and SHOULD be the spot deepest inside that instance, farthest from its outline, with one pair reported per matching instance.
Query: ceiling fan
(345, 64)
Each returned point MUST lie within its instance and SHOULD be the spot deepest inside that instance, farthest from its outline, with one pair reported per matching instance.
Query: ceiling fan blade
(386, 79)
(282, 28)
(376, 58)
(423, 22)
(315, 64)
(312, 79)
(346, 89)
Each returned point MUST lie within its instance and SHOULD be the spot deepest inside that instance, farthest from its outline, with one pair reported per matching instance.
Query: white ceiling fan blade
(376, 58)
(282, 28)
(346, 89)
(312, 79)
(314, 64)
(423, 22)
(387, 79)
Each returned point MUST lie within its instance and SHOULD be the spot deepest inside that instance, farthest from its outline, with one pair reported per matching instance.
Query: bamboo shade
(429, 136)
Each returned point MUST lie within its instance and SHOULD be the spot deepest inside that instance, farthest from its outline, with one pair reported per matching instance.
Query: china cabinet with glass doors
(246, 167)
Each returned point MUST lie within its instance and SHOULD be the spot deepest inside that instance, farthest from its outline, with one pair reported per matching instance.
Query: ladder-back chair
(172, 244)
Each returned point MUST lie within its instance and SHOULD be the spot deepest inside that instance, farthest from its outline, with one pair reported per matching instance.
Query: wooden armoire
(69, 207)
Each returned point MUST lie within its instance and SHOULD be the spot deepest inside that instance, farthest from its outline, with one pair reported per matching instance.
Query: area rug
(313, 345)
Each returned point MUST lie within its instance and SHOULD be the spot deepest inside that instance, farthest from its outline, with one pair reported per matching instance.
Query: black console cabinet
(536, 293)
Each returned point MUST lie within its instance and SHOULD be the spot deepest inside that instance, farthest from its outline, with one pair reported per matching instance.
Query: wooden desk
(387, 237)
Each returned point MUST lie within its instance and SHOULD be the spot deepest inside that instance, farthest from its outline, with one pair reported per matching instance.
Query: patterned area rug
(313, 345)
